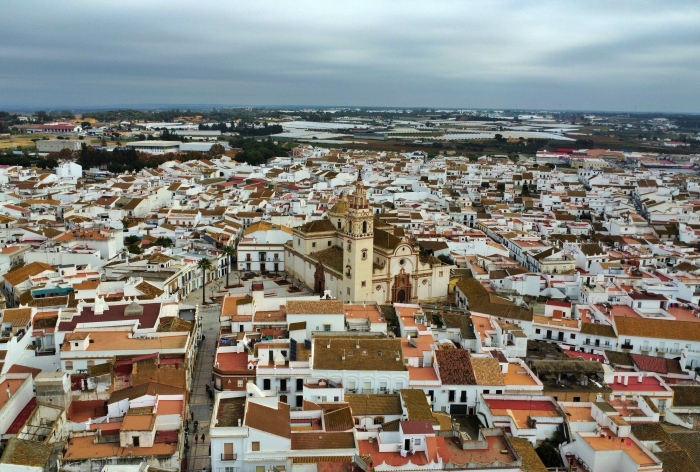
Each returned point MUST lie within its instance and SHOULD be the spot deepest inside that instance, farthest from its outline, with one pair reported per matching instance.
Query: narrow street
(201, 405)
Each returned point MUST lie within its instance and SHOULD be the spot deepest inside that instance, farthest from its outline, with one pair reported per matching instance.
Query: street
(201, 405)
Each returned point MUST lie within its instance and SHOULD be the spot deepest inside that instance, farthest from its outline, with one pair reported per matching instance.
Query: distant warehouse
(56, 145)
(155, 147)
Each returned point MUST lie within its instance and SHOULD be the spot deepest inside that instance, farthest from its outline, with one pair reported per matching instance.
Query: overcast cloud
(528, 54)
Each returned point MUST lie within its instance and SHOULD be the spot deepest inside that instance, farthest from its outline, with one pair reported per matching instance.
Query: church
(358, 258)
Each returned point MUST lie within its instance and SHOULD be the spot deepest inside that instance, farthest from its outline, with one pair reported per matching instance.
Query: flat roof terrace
(612, 443)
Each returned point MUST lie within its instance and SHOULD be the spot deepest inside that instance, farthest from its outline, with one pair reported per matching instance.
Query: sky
(534, 54)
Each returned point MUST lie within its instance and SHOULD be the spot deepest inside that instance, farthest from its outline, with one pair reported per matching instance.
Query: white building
(262, 247)
(155, 147)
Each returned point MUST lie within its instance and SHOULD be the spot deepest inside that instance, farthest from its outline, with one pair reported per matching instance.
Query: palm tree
(228, 252)
(204, 264)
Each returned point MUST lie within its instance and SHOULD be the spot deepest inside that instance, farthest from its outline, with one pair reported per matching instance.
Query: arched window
(364, 227)
(364, 254)
(340, 225)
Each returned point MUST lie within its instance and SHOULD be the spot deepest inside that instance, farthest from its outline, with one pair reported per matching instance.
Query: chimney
(639, 378)
(627, 377)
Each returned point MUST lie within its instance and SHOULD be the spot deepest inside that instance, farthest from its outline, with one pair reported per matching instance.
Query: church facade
(358, 258)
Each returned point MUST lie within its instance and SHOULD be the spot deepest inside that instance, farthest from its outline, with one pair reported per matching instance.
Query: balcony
(229, 457)
(675, 350)
(661, 349)
(627, 346)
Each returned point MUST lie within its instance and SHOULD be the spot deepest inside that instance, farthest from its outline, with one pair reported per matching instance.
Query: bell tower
(357, 235)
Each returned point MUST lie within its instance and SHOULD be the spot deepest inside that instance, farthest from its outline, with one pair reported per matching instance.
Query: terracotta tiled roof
(270, 420)
(374, 404)
(528, 455)
(482, 301)
(331, 257)
(655, 364)
(596, 329)
(149, 388)
(17, 276)
(372, 354)
(316, 440)
(149, 291)
(455, 367)
(487, 371)
(686, 395)
(315, 307)
(385, 239)
(19, 317)
(417, 406)
(173, 324)
(23, 452)
(339, 420)
(657, 329)
(316, 226)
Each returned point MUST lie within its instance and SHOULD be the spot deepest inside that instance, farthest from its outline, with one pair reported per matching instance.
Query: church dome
(341, 207)
(133, 309)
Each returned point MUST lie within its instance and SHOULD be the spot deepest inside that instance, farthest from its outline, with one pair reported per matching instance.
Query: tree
(85, 125)
(163, 241)
(204, 264)
(125, 223)
(216, 151)
(228, 252)
(446, 259)
(548, 454)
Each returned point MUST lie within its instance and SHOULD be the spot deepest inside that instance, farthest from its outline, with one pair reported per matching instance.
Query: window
(364, 284)
(537, 331)
(416, 442)
(451, 396)
(382, 385)
(348, 290)
(229, 469)
(440, 274)
(298, 241)
(69, 365)
(313, 244)
(340, 226)
(136, 441)
(326, 327)
(329, 244)
(357, 421)
(364, 254)
(487, 391)
(240, 383)
(573, 336)
(498, 392)
(399, 385)
(577, 399)
(255, 446)
(90, 363)
(228, 452)
(378, 420)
